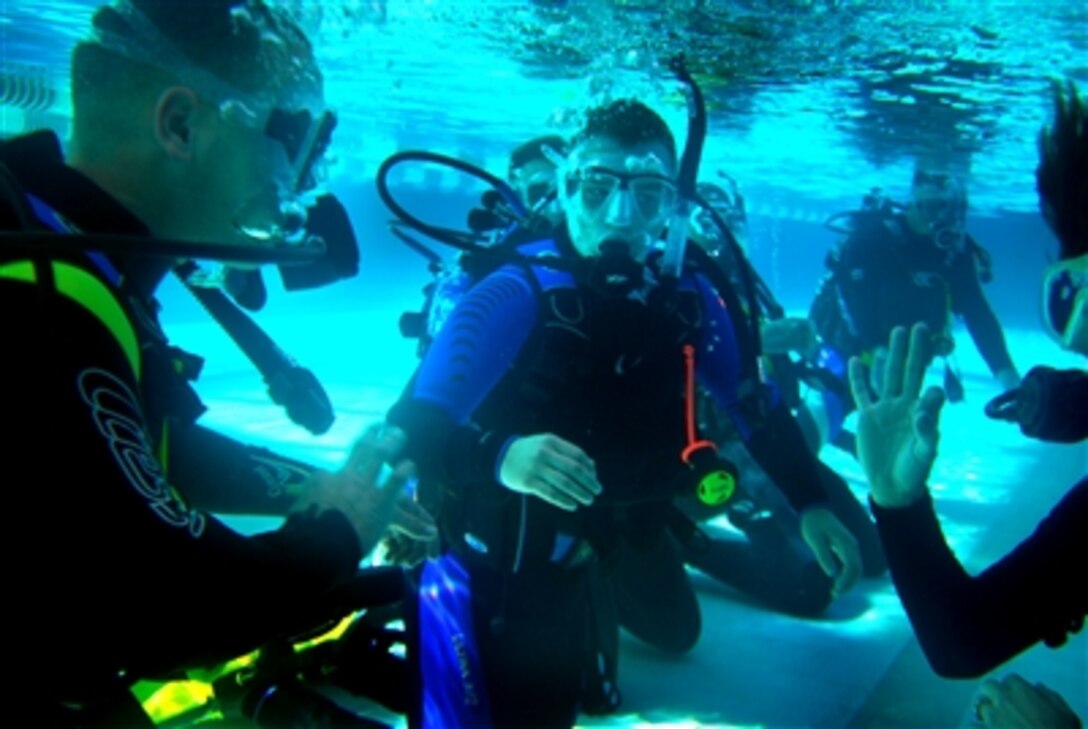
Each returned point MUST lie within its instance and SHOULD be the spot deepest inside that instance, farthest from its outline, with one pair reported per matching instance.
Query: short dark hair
(530, 151)
(628, 122)
(245, 43)
(1062, 175)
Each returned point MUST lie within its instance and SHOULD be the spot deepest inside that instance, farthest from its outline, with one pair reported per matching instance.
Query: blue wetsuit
(529, 351)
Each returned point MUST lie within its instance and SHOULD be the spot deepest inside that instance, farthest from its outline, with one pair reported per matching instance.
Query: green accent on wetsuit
(97, 297)
(20, 271)
(90, 293)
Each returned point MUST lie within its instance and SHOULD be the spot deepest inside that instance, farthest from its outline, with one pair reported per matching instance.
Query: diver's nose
(620, 209)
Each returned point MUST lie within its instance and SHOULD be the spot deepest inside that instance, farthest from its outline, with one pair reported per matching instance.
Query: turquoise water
(856, 666)
(813, 102)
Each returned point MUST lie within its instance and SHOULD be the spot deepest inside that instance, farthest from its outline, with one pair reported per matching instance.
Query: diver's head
(728, 203)
(938, 207)
(619, 183)
(206, 119)
(532, 171)
(1062, 181)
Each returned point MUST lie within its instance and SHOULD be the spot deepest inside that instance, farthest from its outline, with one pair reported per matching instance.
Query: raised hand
(897, 433)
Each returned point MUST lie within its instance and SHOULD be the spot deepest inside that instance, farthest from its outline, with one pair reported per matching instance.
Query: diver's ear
(175, 119)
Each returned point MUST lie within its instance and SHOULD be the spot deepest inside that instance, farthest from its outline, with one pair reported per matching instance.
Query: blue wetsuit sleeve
(473, 351)
(774, 439)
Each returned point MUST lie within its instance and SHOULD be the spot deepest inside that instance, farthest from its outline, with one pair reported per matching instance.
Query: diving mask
(1065, 303)
(727, 201)
(941, 204)
(606, 194)
(534, 182)
(291, 114)
(297, 141)
(609, 194)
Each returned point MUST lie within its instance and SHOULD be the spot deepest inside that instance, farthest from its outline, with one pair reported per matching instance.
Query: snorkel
(676, 241)
(755, 291)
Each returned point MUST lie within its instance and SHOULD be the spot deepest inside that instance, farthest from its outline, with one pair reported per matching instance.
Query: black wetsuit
(117, 576)
(885, 275)
(527, 353)
(968, 625)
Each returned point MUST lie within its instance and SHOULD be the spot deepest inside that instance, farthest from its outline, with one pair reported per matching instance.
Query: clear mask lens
(935, 179)
(941, 214)
(652, 195)
(304, 140)
(534, 187)
(536, 192)
(940, 200)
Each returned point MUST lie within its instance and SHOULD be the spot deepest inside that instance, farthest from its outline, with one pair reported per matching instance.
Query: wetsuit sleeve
(968, 625)
(473, 351)
(232, 477)
(158, 584)
(773, 438)
(969, 301)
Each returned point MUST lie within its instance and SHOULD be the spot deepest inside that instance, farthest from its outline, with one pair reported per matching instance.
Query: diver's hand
(552, 469)
(413, 535)
(897, 435)
(836, 549)
(1013, 703)
(407, 552)
(412, 520)
(357, 491)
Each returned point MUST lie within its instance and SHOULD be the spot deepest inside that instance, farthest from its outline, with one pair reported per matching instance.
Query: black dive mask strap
(291, 386)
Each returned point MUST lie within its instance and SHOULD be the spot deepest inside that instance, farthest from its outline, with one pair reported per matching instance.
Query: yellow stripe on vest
(90, 293)
(20, 271)
(97, 298)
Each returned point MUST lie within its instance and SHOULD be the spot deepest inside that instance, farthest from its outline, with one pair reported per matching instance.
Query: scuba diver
(531, 175)
(969, 624)
(552, 421)
(780, 335)
(773, 565)
(726, 200)
(197, 130)
(532, 172)
(897, 266)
